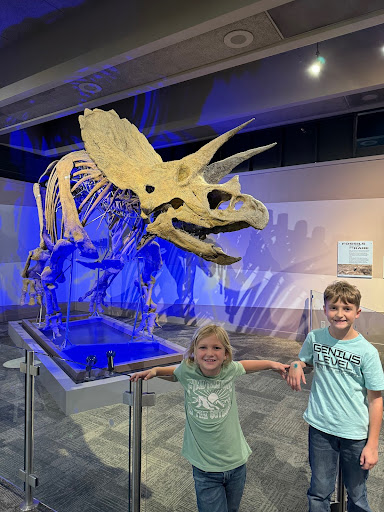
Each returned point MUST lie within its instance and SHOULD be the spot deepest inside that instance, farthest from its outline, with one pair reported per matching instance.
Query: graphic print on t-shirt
(209, 399)
(335, 358)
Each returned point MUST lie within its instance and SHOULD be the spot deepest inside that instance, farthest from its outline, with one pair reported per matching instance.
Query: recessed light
(370, 97)
(366, 143)
(238, 39)
(89, 87)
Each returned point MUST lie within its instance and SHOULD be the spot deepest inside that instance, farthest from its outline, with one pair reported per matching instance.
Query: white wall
(312, 207)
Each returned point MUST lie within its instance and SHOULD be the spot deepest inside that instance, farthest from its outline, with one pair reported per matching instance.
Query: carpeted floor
(82, 460)
(11, 497)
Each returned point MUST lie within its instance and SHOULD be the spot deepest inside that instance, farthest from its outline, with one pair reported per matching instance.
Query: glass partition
(317, 316)
(167, 482)
(83, 444)
(81, 458)
(11, 412)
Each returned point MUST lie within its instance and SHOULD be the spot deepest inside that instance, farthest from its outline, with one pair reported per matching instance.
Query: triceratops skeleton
(141, 197)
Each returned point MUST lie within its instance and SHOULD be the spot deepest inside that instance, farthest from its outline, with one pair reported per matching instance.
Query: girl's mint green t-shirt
(213, 439)
(344, 370)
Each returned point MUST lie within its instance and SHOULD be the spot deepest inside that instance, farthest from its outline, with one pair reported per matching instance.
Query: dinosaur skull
(181, 200)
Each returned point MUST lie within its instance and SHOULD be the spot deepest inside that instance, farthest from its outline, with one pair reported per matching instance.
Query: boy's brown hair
(341, 290)
(204, 332)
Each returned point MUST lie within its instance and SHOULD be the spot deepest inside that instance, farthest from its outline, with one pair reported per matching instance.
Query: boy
(345, 406)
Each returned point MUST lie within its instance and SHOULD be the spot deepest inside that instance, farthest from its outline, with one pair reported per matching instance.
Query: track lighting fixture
(316, 66)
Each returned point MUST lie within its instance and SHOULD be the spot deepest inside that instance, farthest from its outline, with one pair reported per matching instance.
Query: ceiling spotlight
(370, 97)
(238, 39)
(316, 66)
(89, 87)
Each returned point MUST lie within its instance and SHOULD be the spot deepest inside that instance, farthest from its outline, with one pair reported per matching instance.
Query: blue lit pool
(95, 337)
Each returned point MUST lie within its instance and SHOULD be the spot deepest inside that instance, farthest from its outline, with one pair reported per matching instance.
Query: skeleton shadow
(182, 267)
(272, 256)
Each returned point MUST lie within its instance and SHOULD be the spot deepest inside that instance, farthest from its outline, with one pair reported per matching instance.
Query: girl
(213, 440)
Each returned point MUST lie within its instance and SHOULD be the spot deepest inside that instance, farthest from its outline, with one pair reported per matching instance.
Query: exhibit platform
(77, 386)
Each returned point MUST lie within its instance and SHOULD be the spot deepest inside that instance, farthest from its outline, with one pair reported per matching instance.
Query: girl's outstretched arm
(255, 365)
(158, 371)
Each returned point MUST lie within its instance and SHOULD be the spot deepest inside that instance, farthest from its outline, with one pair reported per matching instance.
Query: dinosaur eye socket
(217, 197)
(149, 189)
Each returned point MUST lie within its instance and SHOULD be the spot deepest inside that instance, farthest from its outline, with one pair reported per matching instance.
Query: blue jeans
(219, 492)
(324, 452)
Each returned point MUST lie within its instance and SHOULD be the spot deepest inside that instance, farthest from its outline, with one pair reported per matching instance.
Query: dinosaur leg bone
(73, 228)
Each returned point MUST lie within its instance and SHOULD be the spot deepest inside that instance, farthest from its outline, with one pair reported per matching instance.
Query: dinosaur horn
(202, 157)
(213, 173)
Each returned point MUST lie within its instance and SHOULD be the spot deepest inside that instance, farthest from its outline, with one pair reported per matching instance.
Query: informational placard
(354, 259)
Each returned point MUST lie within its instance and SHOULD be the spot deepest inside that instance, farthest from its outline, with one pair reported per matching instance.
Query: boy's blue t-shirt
(344, 370)
(213, 439)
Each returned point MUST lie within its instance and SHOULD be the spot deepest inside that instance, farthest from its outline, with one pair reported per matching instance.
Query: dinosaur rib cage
(91, 191)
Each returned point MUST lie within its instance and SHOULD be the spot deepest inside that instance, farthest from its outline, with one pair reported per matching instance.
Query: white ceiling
(60, 56)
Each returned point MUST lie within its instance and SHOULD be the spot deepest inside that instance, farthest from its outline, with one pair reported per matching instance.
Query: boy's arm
(255, 365)
(158, 371)
(370, 454)
(296, 375)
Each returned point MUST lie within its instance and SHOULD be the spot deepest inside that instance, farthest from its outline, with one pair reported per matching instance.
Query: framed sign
(354, 259)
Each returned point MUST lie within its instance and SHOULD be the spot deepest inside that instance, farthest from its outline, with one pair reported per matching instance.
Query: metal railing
(30, 480)
(134, 398)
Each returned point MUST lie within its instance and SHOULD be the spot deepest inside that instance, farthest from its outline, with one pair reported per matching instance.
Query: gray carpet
(82, 460)
(11, 497)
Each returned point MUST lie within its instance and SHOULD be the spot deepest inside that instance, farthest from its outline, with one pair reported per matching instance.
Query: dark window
(370, 133)
(300, 143)
(271, 157)
(335, 138)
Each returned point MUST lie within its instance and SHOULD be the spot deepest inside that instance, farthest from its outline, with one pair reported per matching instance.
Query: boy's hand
(145, 375)
(295, 376)
(281, 368)
(369, 457)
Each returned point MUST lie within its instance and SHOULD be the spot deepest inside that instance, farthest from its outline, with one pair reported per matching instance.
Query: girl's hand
(295, 376)
(145, 375)
(281, 368)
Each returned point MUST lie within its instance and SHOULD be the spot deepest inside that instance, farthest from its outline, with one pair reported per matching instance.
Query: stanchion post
(340, 504)
(30, 480)
(310, 311)
(136, 436)
(137, 400)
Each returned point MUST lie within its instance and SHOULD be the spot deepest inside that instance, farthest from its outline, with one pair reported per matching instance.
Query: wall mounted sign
(354, 259)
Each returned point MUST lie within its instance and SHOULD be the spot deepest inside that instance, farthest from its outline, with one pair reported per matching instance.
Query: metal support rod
(136, 401)
(340, 504)
(96, 312)
(30, 480)
(136, 450)
(139, 303)
(69, 303)
(310, 311)
(341, 490)
(129, 449)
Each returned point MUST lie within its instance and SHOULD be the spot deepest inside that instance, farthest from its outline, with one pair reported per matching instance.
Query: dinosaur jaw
(191, 240)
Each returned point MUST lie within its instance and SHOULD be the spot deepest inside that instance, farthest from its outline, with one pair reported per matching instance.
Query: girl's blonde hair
(204, 332)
